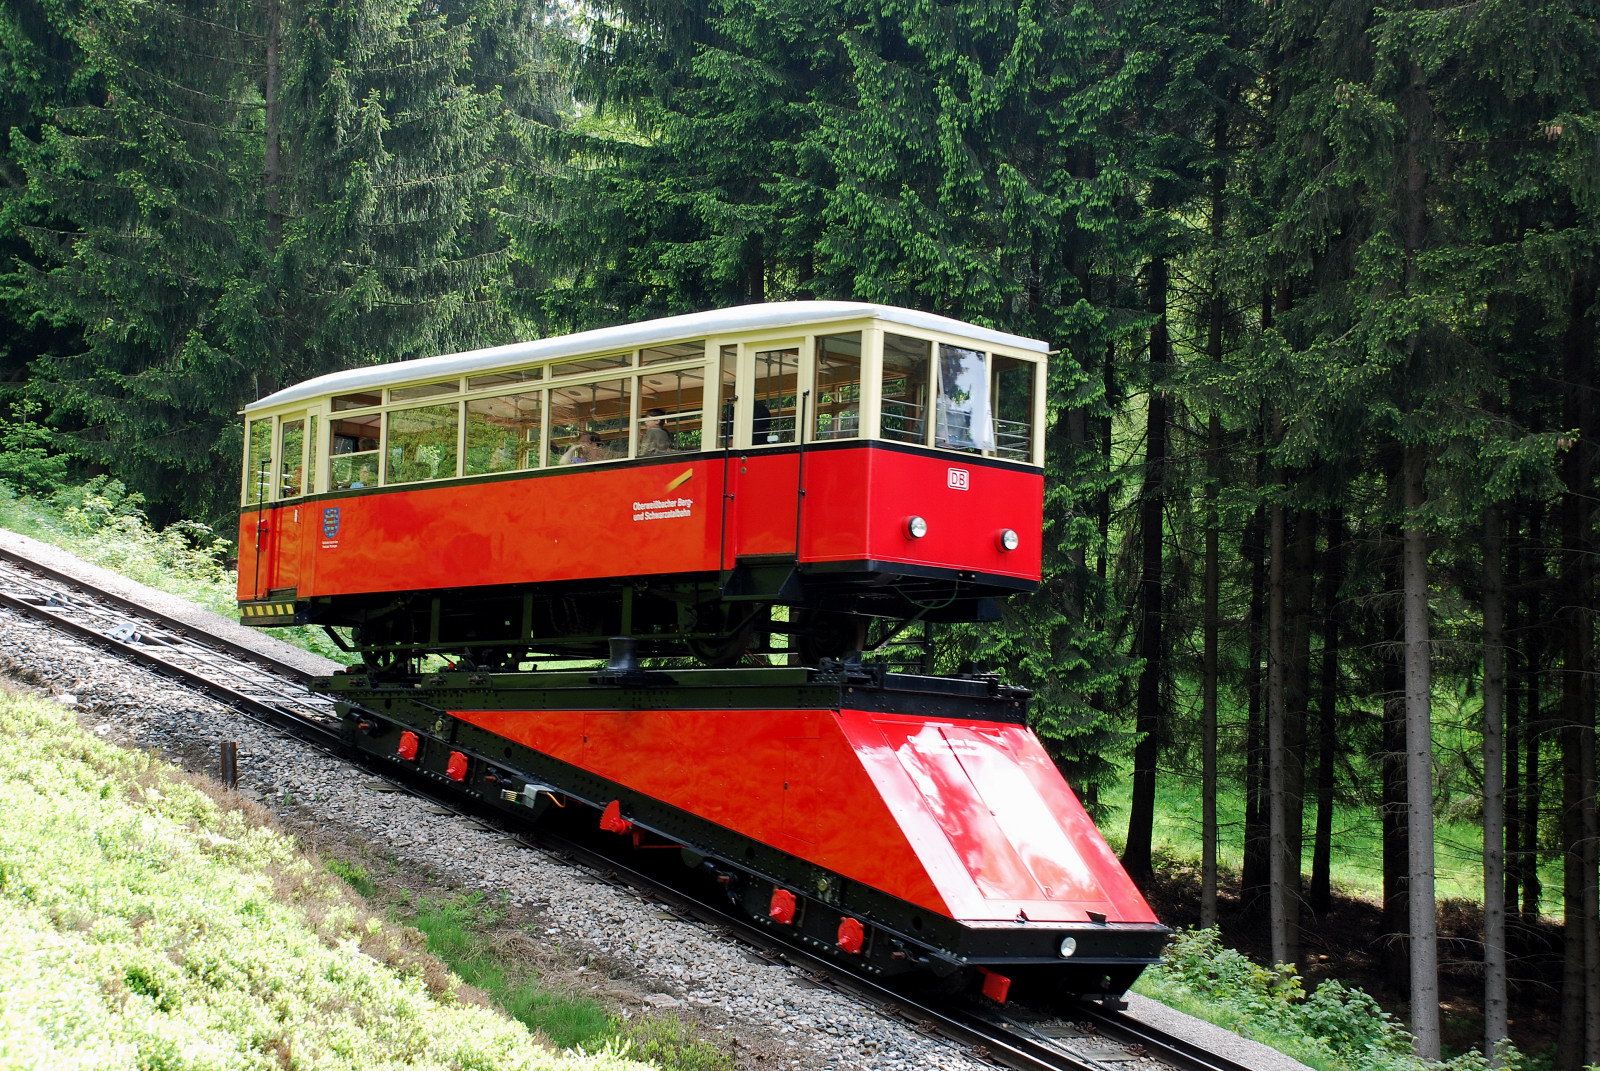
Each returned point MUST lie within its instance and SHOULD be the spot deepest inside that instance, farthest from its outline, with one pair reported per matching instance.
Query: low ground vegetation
(143, 925)
(471, 935)
(1333, 1028)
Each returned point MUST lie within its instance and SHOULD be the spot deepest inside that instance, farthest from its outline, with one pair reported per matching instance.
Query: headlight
(1006, 539)
(1069, 945)
(916, 527)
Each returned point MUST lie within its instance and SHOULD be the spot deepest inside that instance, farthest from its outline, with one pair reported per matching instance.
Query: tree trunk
(272, 169)
(1579, 1043)
(1320, 896)
(1299, 584)
(1149, 715)
(1209, 617)
(1254, 880)
(1516, 692)
(1495, 1015)
(1394, 951)
(1419, 766)
(1277, 774)
(1533, 663)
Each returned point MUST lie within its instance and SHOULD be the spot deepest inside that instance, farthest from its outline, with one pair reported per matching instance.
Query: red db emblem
(959, 479)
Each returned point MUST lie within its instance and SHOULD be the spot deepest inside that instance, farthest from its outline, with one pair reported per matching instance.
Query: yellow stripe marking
(681, 479)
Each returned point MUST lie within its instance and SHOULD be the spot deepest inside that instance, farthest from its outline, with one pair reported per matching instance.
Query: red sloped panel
(1017, 837)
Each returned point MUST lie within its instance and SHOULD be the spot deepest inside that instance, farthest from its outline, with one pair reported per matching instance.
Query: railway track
(1074, 1037)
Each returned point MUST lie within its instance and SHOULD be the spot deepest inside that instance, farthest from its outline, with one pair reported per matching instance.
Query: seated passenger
(654, 438)
(363, 478)
(587, 448)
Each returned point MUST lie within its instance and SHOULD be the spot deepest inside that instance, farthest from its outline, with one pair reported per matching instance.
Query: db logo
(960, 479)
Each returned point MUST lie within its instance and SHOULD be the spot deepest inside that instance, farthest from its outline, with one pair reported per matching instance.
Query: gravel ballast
(780, 1018)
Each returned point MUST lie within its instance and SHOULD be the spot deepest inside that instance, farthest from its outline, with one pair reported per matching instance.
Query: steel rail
(254, 690)
(1168, 1048)
(291, 707)
(177, 625)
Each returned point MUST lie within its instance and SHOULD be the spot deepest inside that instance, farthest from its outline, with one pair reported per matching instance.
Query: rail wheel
(828, 634)
(717, 634)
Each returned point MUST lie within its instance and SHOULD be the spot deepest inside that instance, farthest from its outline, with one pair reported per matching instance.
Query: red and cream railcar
(698, 486)
(674, 481)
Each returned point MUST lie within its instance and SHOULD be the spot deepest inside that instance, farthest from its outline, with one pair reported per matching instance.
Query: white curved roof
(777, 314)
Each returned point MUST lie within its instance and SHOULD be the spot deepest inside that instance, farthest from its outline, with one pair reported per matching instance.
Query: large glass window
(964, 421)
(904, 414)
(291, 455)
(258, 462)
(503, 433)
(776, 384)
(836, 390)
(670, 411)
(1013, 408)
(353, 444)
(589, 422)
(422, 444)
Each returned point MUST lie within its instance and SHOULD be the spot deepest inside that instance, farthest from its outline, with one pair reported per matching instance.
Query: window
(587, 365)
(422, 444)
(353, 446)
(364, 400)
(670, 407)
(776, 383)
(963, 421)
(505, 379)
(311, 455)
(589, 422)
(727, 383)
(836, 392)
(905, 389)
(258, 462)
(424, 390)
(1013, 408)
(503, 433)
(291, 455)
(678, 351)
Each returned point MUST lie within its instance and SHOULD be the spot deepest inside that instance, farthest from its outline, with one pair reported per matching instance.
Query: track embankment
(593, 928)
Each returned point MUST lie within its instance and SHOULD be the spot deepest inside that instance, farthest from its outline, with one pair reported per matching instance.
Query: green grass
(460, 932)
(143, 925)
(456, 934)
(1357, 844)
(354, 876)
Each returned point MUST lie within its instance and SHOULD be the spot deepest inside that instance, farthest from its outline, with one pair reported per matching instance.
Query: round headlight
(1006, 539)
(916, 527)
(1069, 945)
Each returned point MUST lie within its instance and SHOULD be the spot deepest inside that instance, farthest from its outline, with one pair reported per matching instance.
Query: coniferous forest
(1322, 496)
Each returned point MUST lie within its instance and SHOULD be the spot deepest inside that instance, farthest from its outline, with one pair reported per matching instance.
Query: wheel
(718, 633)
(828, 634)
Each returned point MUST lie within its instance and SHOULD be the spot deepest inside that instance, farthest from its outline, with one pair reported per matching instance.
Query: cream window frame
(709, 363)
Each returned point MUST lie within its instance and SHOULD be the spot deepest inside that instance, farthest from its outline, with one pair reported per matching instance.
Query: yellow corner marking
(680, 479)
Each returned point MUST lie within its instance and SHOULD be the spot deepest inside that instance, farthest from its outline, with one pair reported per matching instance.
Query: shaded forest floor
(1347, 943)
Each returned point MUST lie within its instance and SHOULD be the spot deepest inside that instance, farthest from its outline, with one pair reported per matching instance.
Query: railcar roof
(778, 314)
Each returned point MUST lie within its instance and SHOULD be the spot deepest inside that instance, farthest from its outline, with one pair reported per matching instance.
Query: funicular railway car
(729, 507)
